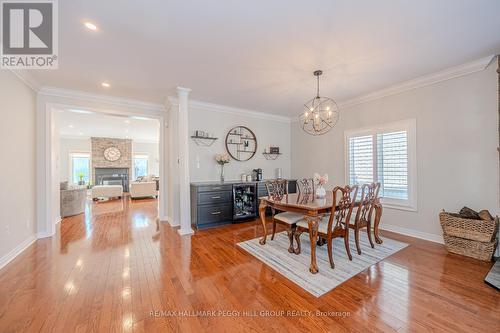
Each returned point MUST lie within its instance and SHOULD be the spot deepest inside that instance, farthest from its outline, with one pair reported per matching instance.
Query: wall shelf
(203, 141)
(271, 156)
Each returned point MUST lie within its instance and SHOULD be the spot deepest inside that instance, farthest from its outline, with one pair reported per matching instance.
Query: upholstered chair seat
(289, 217)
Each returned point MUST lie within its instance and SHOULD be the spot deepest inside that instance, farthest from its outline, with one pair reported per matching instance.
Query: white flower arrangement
(222, 158)
(320, 180)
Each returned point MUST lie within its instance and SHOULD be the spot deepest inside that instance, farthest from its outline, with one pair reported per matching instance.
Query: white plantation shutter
(392, 164)
(361, 159)
(386, 154)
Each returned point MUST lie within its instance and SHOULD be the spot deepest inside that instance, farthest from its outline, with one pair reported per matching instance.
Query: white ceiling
(260, 55)
(84, 125)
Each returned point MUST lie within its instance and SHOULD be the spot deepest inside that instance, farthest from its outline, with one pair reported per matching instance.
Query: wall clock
(112, 154)
(241, 143)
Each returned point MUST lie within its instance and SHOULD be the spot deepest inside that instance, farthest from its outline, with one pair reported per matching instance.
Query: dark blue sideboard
(212, 202)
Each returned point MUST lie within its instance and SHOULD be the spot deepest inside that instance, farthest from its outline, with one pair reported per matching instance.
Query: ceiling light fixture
(321, 113)
(126, 121)
(105, 85)
(91, 26)
(71, 126)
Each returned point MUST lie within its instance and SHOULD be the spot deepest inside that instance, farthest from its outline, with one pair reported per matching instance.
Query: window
(140, 165)
(385, 154)
(80, 167)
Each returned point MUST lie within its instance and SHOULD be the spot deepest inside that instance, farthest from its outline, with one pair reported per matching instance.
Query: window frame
(70, 164)
(409, 126)
(146, 155)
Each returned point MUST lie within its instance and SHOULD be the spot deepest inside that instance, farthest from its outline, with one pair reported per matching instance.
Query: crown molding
(422, 81)
(212, 107)
(117, 101)
(27, 79)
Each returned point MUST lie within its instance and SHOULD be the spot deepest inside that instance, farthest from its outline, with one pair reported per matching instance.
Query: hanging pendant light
(320, 114)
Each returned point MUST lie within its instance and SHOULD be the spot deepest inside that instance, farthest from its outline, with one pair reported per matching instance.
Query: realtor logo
(29, 34)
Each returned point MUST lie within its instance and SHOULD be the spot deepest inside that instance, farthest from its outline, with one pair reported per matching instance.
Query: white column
(184, 194)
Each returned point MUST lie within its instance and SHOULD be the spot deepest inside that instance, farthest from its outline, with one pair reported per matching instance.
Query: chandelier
(320, 114)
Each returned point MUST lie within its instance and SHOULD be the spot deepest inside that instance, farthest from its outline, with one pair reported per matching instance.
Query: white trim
(124, 102)
(184, 232)
(58, 219)
(211, 107)
(422, 81)
(413, 233)
(43, 234)
(12, 254)
(410, 126)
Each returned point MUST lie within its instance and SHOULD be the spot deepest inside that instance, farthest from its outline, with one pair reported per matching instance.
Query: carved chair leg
(329, 243)
(369, 232)
(274, 229)
(297, 240)
(346, 242)
(356, 237)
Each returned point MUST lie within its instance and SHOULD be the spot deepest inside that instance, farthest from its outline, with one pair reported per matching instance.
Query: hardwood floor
(116, 270)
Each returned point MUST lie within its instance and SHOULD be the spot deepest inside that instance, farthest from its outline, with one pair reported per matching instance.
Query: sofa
(143, 189)
(107, 191)
(72, 201)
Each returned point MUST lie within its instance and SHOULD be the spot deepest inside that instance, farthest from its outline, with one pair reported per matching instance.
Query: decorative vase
(320, 192)
(222, 172)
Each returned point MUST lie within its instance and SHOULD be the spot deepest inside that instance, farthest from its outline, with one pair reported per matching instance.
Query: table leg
(313, 237)
(262, 214)
(291, 233)
(378, 215)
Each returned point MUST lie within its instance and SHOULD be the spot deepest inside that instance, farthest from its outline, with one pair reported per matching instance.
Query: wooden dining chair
(276, 189)
(335, 224)
(369, 198)
(305, 186)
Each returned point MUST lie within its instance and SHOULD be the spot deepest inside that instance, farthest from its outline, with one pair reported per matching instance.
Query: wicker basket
(470, 248)
(477, 230)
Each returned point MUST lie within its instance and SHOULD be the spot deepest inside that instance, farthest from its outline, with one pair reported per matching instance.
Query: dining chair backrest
(305, 186)
(277, 188)
(368, 200)
(344, 199)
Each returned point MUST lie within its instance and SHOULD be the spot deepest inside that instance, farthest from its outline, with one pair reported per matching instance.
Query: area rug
(296, 267)
(493, 277)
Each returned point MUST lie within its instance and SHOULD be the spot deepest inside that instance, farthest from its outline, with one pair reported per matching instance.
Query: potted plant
(81, 176)
(222, 159)
(321, 181)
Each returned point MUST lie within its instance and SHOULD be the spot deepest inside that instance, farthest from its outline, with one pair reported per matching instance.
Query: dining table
(313, 209)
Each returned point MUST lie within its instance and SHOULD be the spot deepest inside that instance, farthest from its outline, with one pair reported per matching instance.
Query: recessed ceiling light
(90, 26)
(126, 131)
(141, 118)
(126, 121)
(71, 126)
(80, 111)
(80, 133)
(105, 85)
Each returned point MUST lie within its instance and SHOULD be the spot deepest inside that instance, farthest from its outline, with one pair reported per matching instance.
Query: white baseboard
(184, 232)
(16, 251)
(413, 233)
(173, 223)
(58, 219)
(43, 235)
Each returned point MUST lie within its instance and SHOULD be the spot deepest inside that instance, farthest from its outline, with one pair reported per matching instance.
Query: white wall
(269, 132)
(457, 139)
(68, 145)
(17, 176)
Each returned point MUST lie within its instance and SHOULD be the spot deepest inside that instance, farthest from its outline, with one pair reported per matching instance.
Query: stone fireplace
(112, 176)
(111, 172)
